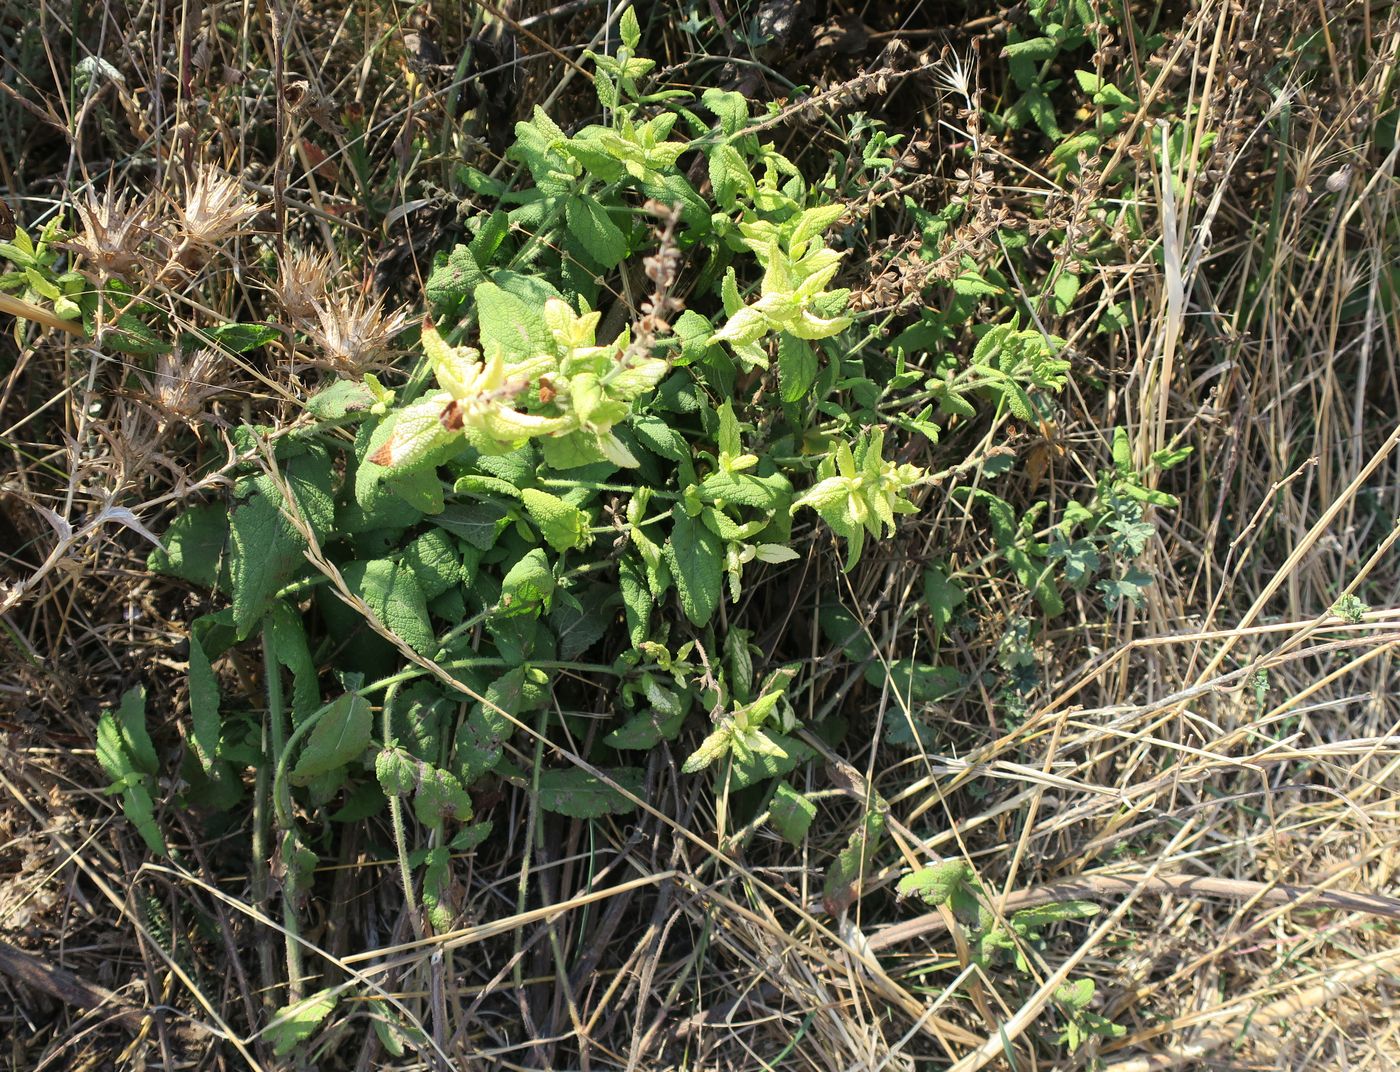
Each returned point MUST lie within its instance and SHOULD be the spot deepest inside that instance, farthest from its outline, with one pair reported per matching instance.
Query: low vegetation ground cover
(656, 536)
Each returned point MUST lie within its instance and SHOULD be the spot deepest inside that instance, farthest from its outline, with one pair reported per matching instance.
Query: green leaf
(696, 557)
(286, 631)
(209, 637)
(1168, 457)
(405, 446)
(629, 30)
(341, 399)
(788, 754)
(916, 682)
(395, 1035)
(341, 734)
(452, 280)
(265, 547)
(194, 547)
(479, 742)
(636, 598)
(580, 795)
(1350, 608)
(392, 591)
(970, 284)
(363, 801)
(1031, 921)
(660, 438)
(511, 324)
(528, 586)
(126, 754)
(480, 524)
(846, 875)
(563, 526)
(590, 224)
(935, 885)
(694, 332)
(813, 222)
(732, 108)
(1132, 586)
(435, 562)
(1080, 558)
(942, 596)
(129, 334)
(241, 338)
(396, 771)
(123, 745)
(791, 813)
(605, 88)
(645, 730)
(730, 177)
(469, 837)
(990, 344)
(297, 1022)
(797, 367)
(1037, 48)
(1042, 111)
(582, 619)
(1068, 150)
(1066, 289)
(729, 438)
(1018, 401)
(440, 796)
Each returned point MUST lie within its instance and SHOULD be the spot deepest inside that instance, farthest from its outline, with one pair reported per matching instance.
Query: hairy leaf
(266, 547)
(392, 592)
(696, 558)
(791, 813)
(297, 1022)
(580, 795)
(341, 734)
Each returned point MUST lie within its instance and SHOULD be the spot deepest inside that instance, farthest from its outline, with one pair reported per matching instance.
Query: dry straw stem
(1109, 886)
(105, 882)
(1250, 1019)
(18, 307)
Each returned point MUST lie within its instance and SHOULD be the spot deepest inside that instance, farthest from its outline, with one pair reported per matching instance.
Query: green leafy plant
(125, 751)
(434, 557)
(953, 883)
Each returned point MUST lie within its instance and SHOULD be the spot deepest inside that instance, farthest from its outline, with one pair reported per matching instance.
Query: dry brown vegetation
(1218, 769)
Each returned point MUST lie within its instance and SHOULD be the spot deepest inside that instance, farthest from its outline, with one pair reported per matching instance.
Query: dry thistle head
(182, 384)
(302, 283)
(113, 233)
(215, 208)
(133, 439)
(351, 332)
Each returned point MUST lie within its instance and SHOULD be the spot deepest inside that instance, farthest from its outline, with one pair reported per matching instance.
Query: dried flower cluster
(350, 333)
(182, 384)
(113, 233)
(127, 241)
(214, 210)
(662, 268)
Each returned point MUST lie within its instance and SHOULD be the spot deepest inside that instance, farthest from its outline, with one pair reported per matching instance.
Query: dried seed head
(351, 332)
(182, 384)
(302, 282)
(133, 438)
(113, 233)
(215, 208)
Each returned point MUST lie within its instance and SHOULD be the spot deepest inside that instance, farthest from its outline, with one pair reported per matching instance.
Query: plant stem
(281, 804)
(396, 817)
